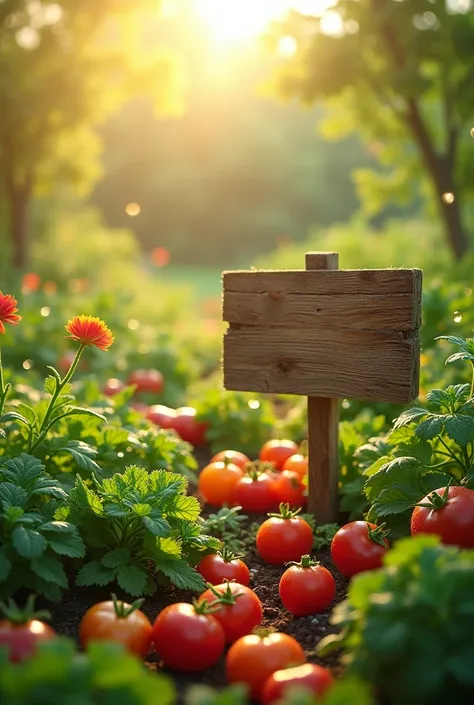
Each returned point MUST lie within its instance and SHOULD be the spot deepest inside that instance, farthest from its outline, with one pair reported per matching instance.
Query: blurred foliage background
(145, 146)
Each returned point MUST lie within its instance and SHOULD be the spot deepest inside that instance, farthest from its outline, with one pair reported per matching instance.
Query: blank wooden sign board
(327, 334)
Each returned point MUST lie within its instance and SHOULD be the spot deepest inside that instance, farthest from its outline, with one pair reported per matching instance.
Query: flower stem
(45, 424)
(3, 393)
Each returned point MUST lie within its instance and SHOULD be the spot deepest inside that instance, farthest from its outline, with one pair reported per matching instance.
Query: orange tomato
(297, 463)
(217, 483)
(232, 456)
(278, 452)
(119, 622)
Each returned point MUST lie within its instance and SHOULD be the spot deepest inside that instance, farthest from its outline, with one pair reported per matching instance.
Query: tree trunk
(452, 218)
(18, 201)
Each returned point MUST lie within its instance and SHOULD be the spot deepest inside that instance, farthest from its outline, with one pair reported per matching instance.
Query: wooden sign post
(328, 334)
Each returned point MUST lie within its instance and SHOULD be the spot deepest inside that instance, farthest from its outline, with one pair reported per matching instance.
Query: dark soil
(264, 580)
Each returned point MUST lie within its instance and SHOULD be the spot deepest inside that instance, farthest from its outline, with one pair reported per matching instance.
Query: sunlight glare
(247, 19)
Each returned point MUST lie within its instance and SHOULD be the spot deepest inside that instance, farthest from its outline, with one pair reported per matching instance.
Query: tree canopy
(64, 67)
(399, 73)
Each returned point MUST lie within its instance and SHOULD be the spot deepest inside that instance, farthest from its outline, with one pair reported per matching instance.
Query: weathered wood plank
(399, 312)
(323, 434)
(329, 282)
(372, 365)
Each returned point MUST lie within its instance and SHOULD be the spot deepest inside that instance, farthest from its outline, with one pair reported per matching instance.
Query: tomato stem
(285, 512)
(227, 597)
(123, 609)
(14, 614)
(228, 556)
(305, 562)
(205, 607)
(435, 500)
(378, 535)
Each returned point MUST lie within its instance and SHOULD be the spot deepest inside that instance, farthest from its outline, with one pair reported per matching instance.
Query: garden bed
(264, 581)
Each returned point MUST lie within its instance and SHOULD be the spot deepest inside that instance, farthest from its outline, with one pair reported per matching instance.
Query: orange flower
(90, 330)
(30, 282)
(8, 309)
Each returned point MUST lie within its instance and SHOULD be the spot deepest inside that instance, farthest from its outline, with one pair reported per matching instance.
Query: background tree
(400, 73)
(64, 67)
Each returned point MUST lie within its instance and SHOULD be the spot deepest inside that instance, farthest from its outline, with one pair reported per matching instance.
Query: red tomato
(277, 452)
(284, 537)
(148, 381)
(297, 463)
(113, 386)
(253, 659)
(233, 456)
(187, 637)
(449, 513)
(357, 547)
(241, 610)
(140, 406)
(256, 493)
(216, 568)
(217, 483)
(161, 415)
(119, 622)
(188, 427)
(314, 679)
(290, 489)
(22, 630)
(306, 588)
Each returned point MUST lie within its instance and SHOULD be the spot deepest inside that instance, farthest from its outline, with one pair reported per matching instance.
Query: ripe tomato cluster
(279, 475)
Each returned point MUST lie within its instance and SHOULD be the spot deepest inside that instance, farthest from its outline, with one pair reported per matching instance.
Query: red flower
(8, 309)
(90, 330)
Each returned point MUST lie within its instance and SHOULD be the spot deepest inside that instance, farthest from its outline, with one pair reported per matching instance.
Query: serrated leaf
(430, 427)
(50, 384)
(460, 356)
(12, 496)
(67, 544)
(187, 507)
(460, 428)
(82, 454)
(28, 543)
(94, 573)
(116, 558)
(156, 524)
(455, 340)
(131, 579)
(113, 509)
(410, 416)
(85, 499)
(5, 567)
(50, 569)
(180, 573)
(59, 527)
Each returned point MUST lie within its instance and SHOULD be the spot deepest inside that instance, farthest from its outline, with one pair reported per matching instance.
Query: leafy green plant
(227, 525)
(104, 675)
(237, 420)
(139, 528)
(428, 447)
(407, 628)
(32, 542)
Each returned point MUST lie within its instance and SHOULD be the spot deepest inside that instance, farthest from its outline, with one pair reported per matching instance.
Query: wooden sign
(326, 334)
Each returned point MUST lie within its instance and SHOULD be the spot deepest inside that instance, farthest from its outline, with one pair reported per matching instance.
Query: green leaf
(410, 416)
(62, 527)
(80, 411)
(28, 413)
(131, 579)
(94, 573)
(460, 428)
(5, 567)
(28, 543)
(180, 573)
(156, 524)
(187, 508)
(50, 569)
(460, 356)
(430, 428)
(50, 385)
(67, 544)
(116, 558)
(12, 496)
(13, 416)
(82, 454)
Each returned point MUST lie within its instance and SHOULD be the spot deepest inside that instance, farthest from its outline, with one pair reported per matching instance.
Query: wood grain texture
(398, 312)
(373, 365)
(337, 282)
(323, 435)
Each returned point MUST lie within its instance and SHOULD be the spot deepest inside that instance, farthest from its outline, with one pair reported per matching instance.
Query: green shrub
(32, 542)
(58, 675)
(137, 520)
(407, 628)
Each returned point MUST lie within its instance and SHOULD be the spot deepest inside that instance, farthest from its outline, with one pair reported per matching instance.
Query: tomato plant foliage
(138, 518)
(407, 627)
